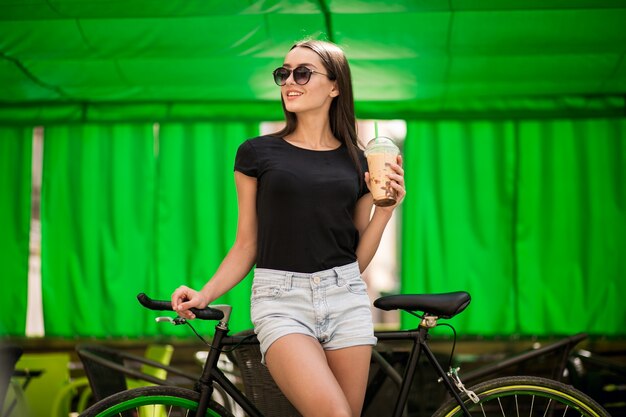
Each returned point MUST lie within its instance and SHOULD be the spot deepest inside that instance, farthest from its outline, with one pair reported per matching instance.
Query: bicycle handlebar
(207, 313)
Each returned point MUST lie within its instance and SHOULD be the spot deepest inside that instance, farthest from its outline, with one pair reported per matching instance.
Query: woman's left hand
(397, 183)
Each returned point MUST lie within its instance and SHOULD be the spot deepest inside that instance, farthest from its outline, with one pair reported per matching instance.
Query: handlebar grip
(207, 313)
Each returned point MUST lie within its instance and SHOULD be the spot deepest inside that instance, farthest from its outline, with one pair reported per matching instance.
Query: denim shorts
(332, 306)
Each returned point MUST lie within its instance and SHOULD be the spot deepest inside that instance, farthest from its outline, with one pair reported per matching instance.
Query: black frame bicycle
(515, 396)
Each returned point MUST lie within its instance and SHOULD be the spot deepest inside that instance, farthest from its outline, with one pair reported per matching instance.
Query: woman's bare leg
(299, 366)
(351, 369)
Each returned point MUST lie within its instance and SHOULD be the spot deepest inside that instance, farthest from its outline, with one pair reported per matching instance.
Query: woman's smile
(293, 94)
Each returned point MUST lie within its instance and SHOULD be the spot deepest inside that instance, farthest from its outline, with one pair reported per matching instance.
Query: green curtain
(528, 216)
(15, 189)
(571, 227)
(197, 209)
(97, 228)
(127, 211)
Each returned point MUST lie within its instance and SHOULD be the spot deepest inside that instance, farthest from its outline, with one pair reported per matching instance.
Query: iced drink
(380, 153)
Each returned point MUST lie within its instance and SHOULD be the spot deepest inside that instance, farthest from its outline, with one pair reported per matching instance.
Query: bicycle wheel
(526, 396)
(151, 401)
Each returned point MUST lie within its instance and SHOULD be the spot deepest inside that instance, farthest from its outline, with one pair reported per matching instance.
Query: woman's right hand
(184, 298)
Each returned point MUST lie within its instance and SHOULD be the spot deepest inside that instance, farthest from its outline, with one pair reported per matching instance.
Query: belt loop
(340, 280)
(288, 280)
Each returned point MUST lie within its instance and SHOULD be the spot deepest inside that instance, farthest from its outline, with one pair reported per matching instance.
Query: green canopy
(515, 149)
(78, 60)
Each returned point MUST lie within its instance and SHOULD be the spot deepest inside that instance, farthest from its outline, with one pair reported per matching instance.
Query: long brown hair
(341, 113)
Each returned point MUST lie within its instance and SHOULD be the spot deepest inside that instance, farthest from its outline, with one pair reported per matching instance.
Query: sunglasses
(301, 75)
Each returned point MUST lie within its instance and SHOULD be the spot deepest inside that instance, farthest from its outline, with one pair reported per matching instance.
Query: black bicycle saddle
(445, 305)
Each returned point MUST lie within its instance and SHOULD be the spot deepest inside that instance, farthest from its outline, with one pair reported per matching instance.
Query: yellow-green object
(80, 389)
(41, 391)
(77, 388)
(158, 353)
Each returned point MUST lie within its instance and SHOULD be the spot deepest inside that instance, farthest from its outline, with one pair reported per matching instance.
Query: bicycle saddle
(446, 305)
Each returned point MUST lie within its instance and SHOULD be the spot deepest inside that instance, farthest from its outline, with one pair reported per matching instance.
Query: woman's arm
(239, 260)
(371, 227)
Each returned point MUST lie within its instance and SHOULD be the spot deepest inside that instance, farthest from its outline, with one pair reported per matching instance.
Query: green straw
(375, 128)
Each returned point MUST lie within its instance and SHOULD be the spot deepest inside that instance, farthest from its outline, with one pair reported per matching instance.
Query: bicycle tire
(524, 396)
(153, 401)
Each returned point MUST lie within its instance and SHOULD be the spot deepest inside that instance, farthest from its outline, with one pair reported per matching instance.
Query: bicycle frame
(420, 344)
(211, 373)
(386, 370)
(433, 306)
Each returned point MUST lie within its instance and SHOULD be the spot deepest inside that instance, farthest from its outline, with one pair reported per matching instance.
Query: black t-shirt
(305, 203)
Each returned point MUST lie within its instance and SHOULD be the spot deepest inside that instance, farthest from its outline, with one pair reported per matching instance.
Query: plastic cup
(381, 152)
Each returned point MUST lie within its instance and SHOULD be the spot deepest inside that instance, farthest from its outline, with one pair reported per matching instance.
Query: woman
(305, 220)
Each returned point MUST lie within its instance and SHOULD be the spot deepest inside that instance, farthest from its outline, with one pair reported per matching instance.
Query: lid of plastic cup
(381, 144)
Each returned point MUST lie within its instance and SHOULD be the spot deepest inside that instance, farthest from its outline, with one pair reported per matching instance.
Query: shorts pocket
(357, 286)
(265, 292)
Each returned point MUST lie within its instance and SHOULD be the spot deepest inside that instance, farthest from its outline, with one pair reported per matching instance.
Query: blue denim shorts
(331, 306)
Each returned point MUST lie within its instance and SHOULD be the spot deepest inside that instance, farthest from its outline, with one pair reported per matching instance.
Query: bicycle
(515, 395)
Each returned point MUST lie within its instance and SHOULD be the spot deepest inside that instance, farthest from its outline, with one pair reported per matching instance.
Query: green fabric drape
(197, 209)
(528, 216)
(97, 228)
(457, 214)
(15, 189)
(571, 227)
(125, 211)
